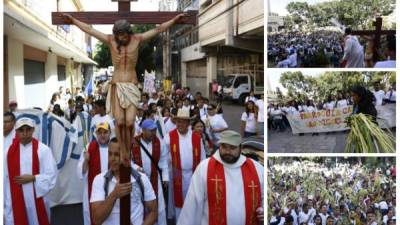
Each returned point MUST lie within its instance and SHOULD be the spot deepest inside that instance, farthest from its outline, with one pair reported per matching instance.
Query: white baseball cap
(24, 121)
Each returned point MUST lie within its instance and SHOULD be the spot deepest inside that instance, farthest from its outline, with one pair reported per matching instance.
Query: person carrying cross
(123, 93)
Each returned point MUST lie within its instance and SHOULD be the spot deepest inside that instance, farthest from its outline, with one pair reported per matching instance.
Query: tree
(358, 14)
(146, 53)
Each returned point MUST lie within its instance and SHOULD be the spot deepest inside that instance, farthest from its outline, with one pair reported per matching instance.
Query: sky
(274, 75)
(279, 6)
(108, 5)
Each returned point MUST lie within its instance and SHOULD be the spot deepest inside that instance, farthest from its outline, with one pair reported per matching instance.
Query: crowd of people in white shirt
(277, 112)
(332, 192)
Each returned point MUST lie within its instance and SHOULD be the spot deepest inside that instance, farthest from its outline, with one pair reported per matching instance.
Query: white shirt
(151, 100)
(379, 96)
(195, 209)
(44, 182)
(260, 104)
(293, 60)
(169, 125)
(386, 218)
(137, 209)
(391, 95)
(251, 123)
(216, 122)
(323, 218)
(386, 64)
(329, 105)
(342, 103)
(203, 110)
(303, 217)
(276, 114)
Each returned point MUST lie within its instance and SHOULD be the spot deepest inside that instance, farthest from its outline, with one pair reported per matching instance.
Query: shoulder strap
(151, 158)
(136, 175)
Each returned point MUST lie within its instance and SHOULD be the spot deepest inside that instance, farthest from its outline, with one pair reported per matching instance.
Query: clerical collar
(103, 145)
(237, 164)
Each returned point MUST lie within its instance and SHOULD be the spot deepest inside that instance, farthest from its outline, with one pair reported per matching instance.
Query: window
(61, 73)
(240, 80)
(34, 72)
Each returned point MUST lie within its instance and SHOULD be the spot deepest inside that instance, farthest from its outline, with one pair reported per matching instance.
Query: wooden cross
(378, 32)
(134, 18)
(151, 17)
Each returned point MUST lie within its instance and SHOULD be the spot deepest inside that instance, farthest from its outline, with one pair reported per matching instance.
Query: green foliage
(358, 14)
(146, 53)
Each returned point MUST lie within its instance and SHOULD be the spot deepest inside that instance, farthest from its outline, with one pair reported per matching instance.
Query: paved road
(232, 114)
(286, 142)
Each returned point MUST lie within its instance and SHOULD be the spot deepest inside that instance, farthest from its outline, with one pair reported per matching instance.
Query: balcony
(219, 19)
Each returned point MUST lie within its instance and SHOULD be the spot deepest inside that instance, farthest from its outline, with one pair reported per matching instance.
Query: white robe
(84, 176)
(163, 165)
(195, 209)
(353, 53)
(44, 182)
(186, 158)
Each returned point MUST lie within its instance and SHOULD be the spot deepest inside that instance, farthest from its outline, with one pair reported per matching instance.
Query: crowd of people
(295, 49)
(335, 191)
(178, 137)
(359, 96)
(326, 48)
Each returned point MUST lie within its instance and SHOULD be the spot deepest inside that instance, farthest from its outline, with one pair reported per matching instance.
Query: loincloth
(127, 93)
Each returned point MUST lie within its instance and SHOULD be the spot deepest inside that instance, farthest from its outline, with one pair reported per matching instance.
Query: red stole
(156, 154)
(17, 194)
(94, 168)
(216, 189)
(176, 163)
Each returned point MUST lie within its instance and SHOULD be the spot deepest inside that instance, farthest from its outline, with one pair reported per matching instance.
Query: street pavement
(232, 114)
(286, 142)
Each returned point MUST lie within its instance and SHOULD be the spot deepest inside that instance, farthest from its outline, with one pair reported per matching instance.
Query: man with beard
(226, 189)
(123, 93)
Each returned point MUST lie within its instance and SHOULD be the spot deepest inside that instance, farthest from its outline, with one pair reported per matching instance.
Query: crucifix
(254, 199)
(123, 93)
(377, 33)
(217, 192)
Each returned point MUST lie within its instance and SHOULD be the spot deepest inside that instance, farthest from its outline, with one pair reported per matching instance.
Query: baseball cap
(103, 125)
(230, 137)
(24, 121)
(149, 124)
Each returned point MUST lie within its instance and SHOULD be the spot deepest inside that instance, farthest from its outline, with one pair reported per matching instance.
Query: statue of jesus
(123, 93)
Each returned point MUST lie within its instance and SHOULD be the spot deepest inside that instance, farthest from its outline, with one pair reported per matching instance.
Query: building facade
(40, 57)
(226, 39)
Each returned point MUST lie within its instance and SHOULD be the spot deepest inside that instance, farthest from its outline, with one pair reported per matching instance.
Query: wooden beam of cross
(150, 17)
(377, 33)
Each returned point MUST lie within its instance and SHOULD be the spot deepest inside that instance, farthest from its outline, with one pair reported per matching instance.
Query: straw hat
(183, 114)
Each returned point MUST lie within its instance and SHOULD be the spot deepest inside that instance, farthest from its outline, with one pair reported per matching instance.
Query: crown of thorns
(121, 27)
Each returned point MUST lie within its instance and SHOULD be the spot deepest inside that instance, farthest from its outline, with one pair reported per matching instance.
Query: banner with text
(334, 120)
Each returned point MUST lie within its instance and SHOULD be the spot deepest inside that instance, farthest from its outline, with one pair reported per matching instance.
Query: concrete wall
(249, 16)
(16, 71)
(192, 53)
(21, 92)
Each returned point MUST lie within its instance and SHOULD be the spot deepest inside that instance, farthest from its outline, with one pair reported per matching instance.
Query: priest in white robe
(186, 152)
(147, 145)
(31, 172)
(353, 51)
(93, 160)
(226, 189)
